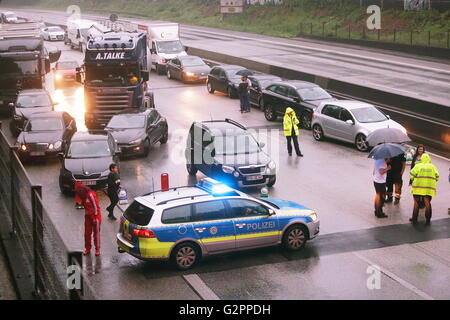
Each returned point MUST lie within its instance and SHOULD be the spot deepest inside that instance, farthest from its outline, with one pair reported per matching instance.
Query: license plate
(37, 153)
(256, 177)
(90, 182)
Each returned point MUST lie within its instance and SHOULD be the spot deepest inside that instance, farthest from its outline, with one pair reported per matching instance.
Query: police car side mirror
(349, 122)
(271, 212)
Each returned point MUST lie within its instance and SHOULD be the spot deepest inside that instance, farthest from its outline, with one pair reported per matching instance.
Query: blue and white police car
(185, 223)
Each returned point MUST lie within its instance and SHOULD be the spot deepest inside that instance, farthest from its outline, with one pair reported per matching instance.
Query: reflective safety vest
(289, 121)
(424, 176)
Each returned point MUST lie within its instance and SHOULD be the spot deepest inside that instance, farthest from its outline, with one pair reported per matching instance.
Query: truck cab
(115, 73)
(164, 45)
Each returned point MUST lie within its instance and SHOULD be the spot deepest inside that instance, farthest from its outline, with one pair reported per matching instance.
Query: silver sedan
(349, 121)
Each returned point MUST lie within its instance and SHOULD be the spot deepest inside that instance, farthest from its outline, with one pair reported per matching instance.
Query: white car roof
(181, 195)
(348, 104)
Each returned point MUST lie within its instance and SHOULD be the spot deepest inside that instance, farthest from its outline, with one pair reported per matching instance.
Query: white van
(164, 43)
(78, 31)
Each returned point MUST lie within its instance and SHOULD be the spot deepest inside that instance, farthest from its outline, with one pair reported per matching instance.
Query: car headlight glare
(313, 216)
(227, 169)
(58, 76)
(189, 74)
(51, 146)
(23, 147)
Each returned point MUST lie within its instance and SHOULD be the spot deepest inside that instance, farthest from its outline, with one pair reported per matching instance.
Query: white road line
(200, 287)
(396, 278)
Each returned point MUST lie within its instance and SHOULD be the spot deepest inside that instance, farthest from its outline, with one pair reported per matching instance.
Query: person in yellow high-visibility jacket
(424, 178)
(290, 126)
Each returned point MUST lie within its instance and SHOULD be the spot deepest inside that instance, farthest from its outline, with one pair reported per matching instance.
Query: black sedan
(260, 82)
(301, 96)
(135, 131)
(188, 69)
(29, 101)
(45, 134)
(87, 159)
(226, 79)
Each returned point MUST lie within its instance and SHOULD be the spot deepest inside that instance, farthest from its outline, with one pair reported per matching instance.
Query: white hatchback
(350, 121)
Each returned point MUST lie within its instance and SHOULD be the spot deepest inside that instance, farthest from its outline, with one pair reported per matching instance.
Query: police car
(185, 223)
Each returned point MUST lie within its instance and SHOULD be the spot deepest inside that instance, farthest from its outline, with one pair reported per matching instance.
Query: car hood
(315, 103)
(126, 135)
(90, 165)
(370, 127)
(259, 158)
(40, 137)
(27, 112)
(289, 207)
(197, 69)
(57, 33)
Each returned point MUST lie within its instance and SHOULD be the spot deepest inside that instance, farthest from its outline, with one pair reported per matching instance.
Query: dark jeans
(245, 102)
(114, 199)
(289, 144)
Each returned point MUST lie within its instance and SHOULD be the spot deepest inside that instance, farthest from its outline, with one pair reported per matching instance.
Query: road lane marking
(197, 284)
(396, 278)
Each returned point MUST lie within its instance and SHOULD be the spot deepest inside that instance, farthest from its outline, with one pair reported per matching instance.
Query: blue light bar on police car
(215, 187)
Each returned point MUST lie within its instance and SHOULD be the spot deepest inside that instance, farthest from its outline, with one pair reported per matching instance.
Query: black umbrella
(390, 135)
(386, 150)
(244, 72)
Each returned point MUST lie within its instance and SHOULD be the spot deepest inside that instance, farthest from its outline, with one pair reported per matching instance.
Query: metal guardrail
(47, 259)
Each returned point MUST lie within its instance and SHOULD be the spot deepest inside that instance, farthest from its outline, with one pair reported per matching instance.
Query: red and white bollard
(164, 181)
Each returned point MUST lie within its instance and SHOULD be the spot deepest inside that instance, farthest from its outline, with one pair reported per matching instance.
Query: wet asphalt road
(333, 178)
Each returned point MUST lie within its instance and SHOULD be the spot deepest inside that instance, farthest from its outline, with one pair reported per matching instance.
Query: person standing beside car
(243, 89)
(395, 178)
(291, 132)
(113, 189)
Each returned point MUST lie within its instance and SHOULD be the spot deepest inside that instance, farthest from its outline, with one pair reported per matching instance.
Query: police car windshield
(44, 124)
(313, 93)
(30, 101)
(126, 122)
(170, 46)
(89, 149)
(237, 144)
(110, 76)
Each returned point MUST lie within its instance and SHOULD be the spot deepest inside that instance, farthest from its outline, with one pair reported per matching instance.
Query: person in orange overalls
(92, 217)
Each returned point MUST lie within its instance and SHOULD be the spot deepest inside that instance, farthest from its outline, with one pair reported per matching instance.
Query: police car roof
(181, 194)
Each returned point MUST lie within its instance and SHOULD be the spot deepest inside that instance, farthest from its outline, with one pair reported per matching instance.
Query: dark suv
(225, 150)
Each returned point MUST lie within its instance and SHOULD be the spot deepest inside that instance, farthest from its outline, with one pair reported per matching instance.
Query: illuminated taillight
(144, 233)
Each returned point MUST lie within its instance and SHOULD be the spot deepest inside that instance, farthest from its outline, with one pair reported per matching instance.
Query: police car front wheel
(185, 256)
(295, 237)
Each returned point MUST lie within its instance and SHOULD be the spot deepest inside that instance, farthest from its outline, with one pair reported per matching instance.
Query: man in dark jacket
(113, 189)
(243, 89)
(394, 178)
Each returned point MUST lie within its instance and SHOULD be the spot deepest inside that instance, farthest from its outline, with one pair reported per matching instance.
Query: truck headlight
(313, 216)
(227, 169)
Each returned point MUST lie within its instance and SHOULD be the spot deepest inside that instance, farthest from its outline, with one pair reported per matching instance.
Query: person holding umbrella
(381, 153)
(424, 178)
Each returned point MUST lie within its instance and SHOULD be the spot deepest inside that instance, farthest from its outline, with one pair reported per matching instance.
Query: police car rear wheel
(185, 256)
(294, 238)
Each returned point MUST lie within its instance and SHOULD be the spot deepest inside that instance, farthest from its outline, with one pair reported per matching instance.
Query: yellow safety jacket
(425, 177)
(289, 121)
